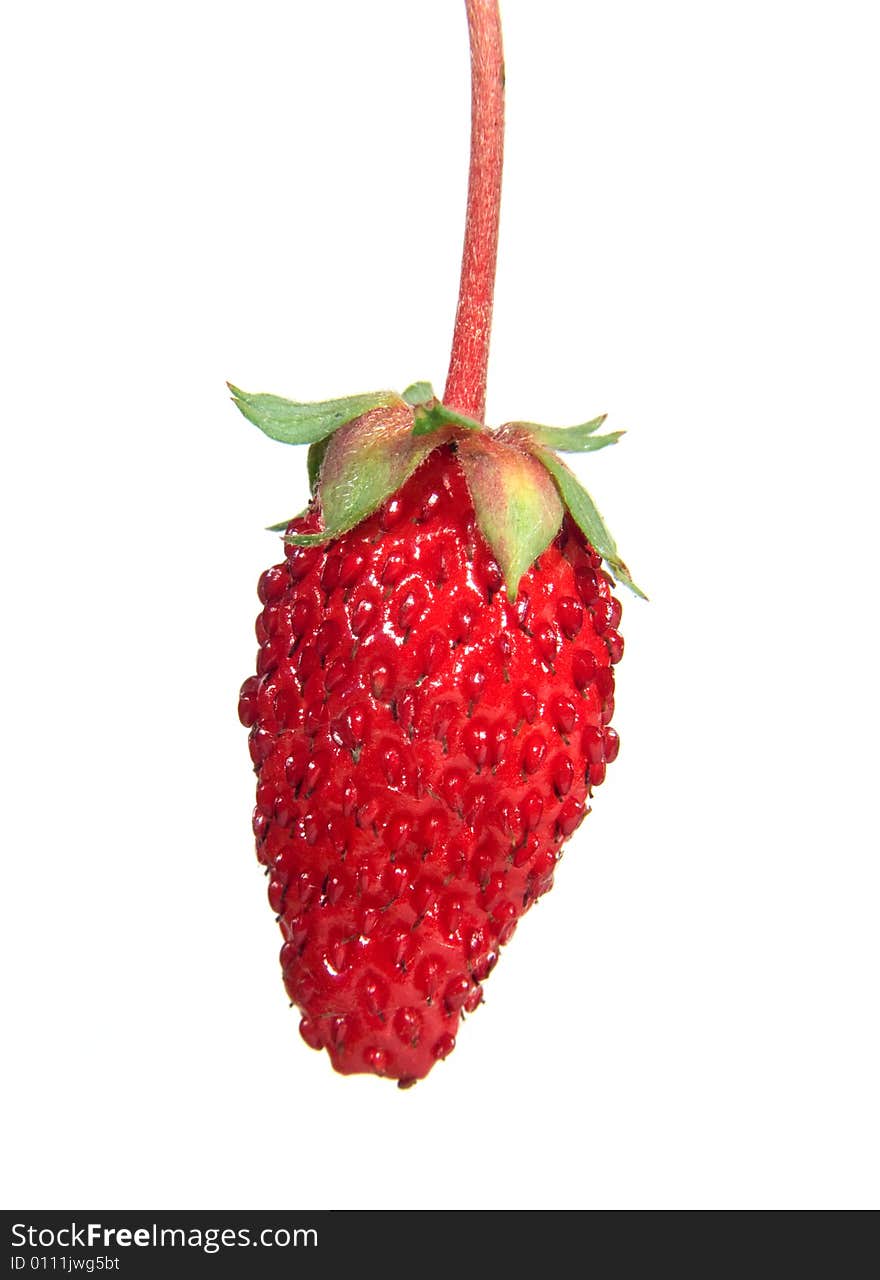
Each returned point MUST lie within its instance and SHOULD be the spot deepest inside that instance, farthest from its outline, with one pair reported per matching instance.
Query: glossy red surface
(423, 748)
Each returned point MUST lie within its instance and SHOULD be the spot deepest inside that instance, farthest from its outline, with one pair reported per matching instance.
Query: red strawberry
(424, 742)
(431, 709)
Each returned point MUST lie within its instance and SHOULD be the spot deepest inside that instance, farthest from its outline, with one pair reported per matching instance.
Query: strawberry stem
(468, 363)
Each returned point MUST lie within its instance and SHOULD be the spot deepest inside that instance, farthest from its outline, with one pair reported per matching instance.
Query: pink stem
(466, 381)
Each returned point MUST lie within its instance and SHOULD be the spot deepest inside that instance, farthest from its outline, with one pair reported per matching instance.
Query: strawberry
(430, 713)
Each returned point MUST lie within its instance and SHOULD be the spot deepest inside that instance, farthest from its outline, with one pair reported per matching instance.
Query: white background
(273, 193)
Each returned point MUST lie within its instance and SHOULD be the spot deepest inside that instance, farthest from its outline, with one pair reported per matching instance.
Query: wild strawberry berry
(386, 789)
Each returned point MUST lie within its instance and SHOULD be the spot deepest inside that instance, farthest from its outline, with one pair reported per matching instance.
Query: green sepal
(419, 393)
(580, 439)
(518, 509)
(584, 513)
(294, 423)
(434, 417)
(315, 460)
(365, 463)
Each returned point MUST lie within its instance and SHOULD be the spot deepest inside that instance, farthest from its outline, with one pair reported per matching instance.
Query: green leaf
(419, 393)
(435, 417)
(315, 461)
(580, 439)
(585, 514)
(589, 444)
(294, 423)
(518, 508)
(365, 462)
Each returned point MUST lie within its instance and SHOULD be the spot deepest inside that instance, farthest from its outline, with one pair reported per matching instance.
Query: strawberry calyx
(363, 448)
